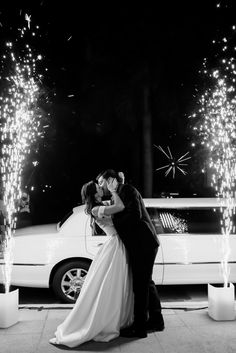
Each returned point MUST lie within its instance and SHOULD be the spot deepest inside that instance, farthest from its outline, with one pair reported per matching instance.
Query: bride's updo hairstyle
(88, 192)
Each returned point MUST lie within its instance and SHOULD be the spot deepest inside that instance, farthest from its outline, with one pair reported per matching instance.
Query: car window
(96, 230)
(153, 213)
(188, 220)
(175, 221)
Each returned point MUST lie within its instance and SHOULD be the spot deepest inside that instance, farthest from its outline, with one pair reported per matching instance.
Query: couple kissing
(118, 297)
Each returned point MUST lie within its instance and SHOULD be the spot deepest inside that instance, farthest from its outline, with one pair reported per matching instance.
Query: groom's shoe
(132, 332)
(156, 324)
(152, 326)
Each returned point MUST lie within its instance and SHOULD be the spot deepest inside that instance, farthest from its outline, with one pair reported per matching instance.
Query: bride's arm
(108, 210)
(116, 207)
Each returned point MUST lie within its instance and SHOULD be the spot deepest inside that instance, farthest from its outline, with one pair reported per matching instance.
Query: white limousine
(59, 255)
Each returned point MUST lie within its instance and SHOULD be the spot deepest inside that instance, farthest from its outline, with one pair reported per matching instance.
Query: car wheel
(68, 280)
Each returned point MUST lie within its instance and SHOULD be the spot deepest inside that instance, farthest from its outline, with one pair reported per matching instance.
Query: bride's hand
(112, 185)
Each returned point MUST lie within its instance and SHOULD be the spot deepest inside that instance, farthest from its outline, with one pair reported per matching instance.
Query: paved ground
(188, 329)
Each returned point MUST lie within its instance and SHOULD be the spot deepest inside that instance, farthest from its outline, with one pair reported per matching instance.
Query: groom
(135, 229)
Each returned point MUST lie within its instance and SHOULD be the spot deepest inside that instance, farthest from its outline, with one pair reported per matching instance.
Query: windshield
(65, 218)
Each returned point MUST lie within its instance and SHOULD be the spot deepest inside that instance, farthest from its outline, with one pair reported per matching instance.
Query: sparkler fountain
(217, 130)
(20, 122)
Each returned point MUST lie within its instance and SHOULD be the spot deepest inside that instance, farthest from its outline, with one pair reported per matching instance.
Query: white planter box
(9, 313)
(221, 305)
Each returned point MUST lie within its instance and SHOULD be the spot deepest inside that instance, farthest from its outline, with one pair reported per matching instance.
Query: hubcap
(72, 282)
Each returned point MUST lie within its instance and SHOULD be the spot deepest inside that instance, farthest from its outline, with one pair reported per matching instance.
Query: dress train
(105, 303)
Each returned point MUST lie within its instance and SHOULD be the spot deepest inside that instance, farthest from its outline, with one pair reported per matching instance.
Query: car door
(192, 246)
(94, 237)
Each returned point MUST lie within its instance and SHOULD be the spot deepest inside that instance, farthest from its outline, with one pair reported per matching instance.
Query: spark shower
(20, 119)
(216, 129)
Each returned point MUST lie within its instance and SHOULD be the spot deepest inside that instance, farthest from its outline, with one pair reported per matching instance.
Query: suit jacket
(133, 224)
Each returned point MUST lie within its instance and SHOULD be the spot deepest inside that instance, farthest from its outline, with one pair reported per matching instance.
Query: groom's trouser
(146, 299)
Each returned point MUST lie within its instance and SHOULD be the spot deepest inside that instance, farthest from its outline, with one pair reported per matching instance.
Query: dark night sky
(104, 55)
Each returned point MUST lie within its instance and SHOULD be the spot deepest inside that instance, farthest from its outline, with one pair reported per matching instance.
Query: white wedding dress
(105, 303)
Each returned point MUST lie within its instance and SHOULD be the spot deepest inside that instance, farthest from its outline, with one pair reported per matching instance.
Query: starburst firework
(174, 164)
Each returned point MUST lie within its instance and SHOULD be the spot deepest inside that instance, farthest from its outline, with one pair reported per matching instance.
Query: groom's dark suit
(136, 231)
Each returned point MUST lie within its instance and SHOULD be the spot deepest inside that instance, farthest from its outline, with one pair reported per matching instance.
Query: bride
(105, 303)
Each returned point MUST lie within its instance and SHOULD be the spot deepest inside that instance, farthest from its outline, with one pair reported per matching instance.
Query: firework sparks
(217, 130)
(20, 121)
(174, 164)
(28, 19)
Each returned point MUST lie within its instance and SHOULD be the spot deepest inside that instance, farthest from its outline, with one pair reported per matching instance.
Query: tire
(68, 280)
